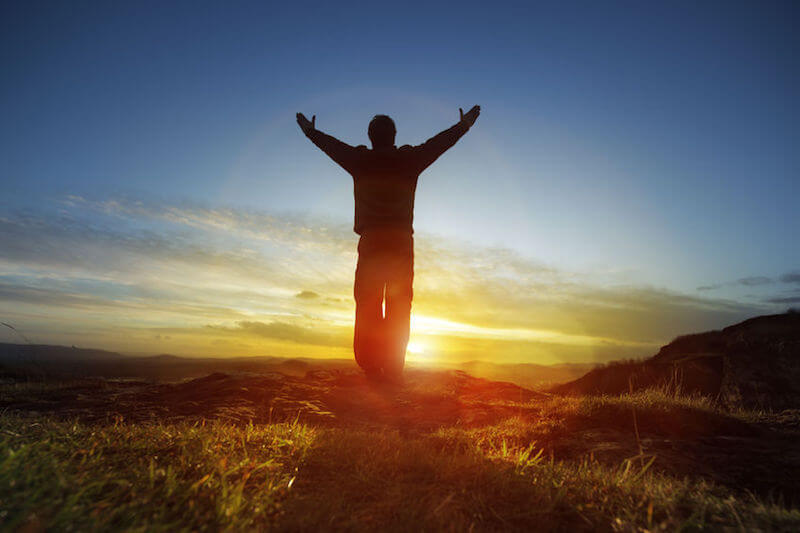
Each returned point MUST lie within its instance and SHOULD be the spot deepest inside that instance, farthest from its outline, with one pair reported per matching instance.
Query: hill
(754, 364)
(25, 353)
(330, 451)
(323, 448)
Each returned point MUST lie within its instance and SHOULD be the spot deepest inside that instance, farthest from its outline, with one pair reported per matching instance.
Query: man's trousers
(383, 293)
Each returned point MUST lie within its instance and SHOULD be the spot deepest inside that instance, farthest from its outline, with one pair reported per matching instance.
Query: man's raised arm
(430, 150)
(344, 154)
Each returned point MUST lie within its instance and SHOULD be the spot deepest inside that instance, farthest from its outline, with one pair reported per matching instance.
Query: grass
(67, 475)
(533, 470)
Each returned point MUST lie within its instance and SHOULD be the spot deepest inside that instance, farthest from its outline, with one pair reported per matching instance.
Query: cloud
(97, 302)
(285, 228)
(786, 300)
(791, 277)
(753, 281)
(750, 281)
(130, 264)
(319, 336)
(62, 243)
(306, 295)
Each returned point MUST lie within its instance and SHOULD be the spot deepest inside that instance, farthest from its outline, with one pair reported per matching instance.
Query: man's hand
(471, 116)
(306, 125)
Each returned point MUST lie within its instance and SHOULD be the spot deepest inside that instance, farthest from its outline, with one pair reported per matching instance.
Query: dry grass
(540, 469)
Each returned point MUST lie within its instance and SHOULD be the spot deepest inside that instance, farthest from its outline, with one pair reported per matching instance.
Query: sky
(633, 175)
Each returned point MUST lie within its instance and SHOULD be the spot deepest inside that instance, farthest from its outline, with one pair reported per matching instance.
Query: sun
(415, 348)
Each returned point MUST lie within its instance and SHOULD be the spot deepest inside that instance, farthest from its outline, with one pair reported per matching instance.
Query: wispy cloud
(785, 300)
(754, 281)
(320, 335)
(791, 277)
(209, 276)
(306, 295)
(750, 281)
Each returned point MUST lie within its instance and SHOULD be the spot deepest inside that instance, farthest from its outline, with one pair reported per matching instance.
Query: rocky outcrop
(753, 364)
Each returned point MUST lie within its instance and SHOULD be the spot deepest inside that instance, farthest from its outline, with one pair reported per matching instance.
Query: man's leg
(399, 293)
(368, 292)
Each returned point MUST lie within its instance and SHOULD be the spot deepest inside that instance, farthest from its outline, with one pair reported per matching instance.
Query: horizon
(632, 176)
(413, 361)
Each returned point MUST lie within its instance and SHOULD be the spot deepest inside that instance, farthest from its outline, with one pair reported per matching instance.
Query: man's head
(381, 131)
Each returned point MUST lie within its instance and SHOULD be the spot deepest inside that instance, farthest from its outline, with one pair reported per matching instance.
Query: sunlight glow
(415, 348)
(438, 326)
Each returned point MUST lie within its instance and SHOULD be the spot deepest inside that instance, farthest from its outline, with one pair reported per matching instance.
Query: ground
(331, 450)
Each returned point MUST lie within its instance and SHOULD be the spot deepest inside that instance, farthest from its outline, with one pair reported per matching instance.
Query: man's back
(384, 185)
(385, 178)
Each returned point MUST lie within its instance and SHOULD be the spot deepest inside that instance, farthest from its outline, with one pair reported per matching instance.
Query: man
(385, 180)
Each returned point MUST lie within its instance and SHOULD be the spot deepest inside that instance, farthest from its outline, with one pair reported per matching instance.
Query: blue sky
(629, 144)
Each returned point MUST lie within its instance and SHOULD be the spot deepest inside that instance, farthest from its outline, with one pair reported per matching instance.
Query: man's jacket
(385, 179)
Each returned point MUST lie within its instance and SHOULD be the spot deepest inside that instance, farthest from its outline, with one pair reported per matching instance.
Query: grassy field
(550, 463)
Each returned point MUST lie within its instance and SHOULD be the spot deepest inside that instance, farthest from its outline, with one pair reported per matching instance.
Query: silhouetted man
(385, 179)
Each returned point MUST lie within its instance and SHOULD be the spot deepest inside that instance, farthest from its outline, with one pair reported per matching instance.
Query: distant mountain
(25, 361)
(528, 375)
(754, 364)
(19, 361)
(16, 353)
